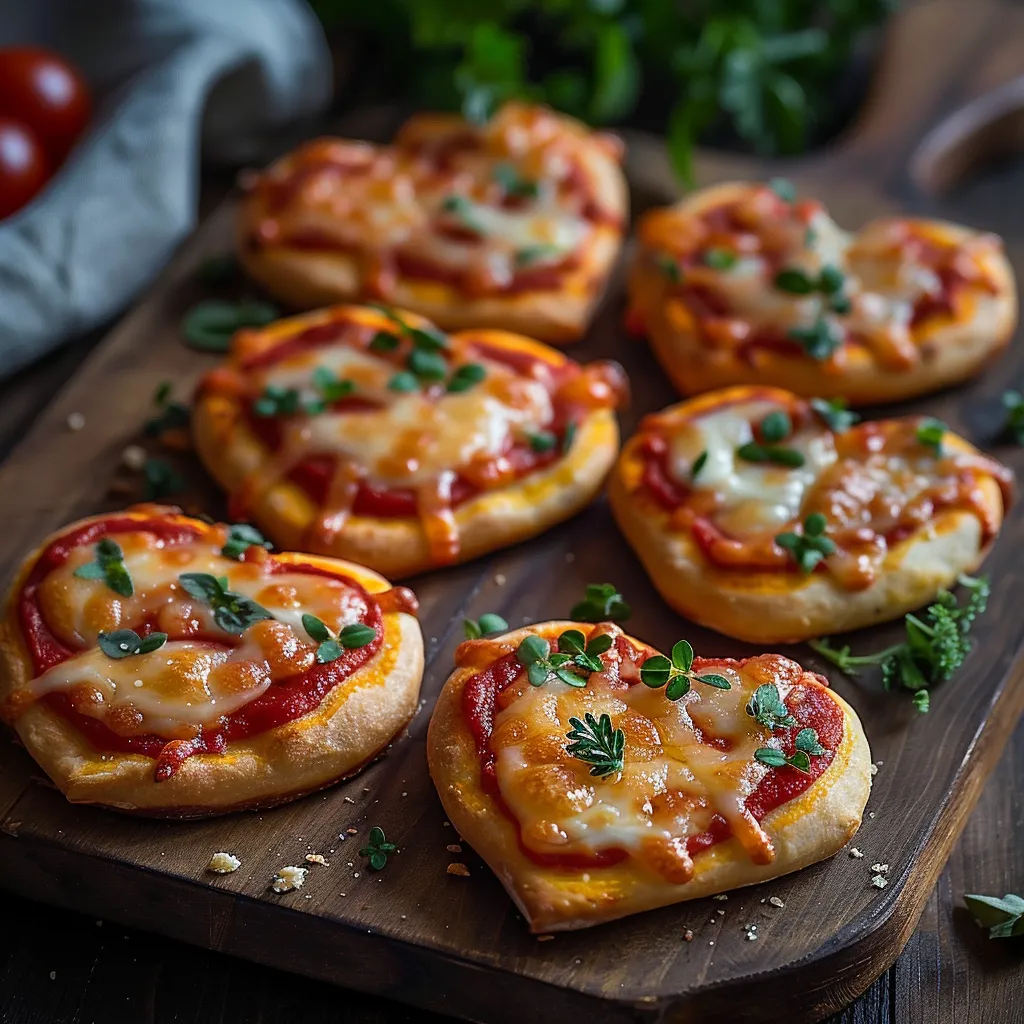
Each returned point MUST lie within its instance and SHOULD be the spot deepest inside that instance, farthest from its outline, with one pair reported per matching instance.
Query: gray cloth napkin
(169, 75)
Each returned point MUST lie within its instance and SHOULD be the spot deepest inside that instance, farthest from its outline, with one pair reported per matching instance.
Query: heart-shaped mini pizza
(745, 284)
(368, 434)
(774, 519)
(599, 778)
(514, 223)
(158, 664)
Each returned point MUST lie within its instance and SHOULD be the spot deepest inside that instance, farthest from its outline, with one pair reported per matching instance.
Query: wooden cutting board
(455, 944)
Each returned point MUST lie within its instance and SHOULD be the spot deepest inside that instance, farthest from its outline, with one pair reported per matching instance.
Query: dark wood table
(58, 967)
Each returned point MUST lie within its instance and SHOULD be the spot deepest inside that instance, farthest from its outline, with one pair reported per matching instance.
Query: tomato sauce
(285, 700)
(779, 786)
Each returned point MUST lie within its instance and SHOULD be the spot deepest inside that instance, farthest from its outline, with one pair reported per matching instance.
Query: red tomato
(43, 91)
(24, 166)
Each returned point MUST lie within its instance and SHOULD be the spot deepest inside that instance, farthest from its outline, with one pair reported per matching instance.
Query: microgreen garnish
(754, 452)
(819, 340)
(776, 426)
(596, 743)
(669, 266)
(835, 414)
(676, 675)
(241, 537)
(568, 436)
(542, 441)
(487, 624)
(719, 259)
(1004, 918)
(209, 326)
(807, 549)
(125, 643)
(404, 381)
(930, 433)
(698, 464)
(332, 647)
(173, 415)
(574, 652)
(463, 209)
(783, 188)
(160, 479)
(767, 708)
(1013, 425)
(936, 645)
(108, 566)
(234, 613)
(537, 253)
(601, 603)
(513, 184)
(466, 376)
(807, 745)
(377, 848)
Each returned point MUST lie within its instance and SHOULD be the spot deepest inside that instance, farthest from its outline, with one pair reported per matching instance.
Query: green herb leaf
(125, 643)
(682, 656)
(597, 743)
(108, 566)
(1003, 917)
(930, 433)
(357, 634)
(835, 414)
(1013, 426)
(463, 209)
(783, 188)
(767, 708)
(209, 326)
(810, 547)
(404, 381)
(819, 340)
(315, 628)
(542, 441)
(532, 649)
(719, 259)
(542, 252)
(241, 537)
(794, 281)
(807, 741)
(383, 342)
(234, 613)
(377, 848)
(601, 603)
(427, 366)
(776, 426)
(486, 625)
(777, 759)
(568, 437)
(669, 266)
(698, 464)
(513, 184)
(277, 401)
(677, 675)
(160, 479)
(780, 456)
(466, 376)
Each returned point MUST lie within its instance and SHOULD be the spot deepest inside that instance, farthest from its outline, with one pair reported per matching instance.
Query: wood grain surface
(411, 931)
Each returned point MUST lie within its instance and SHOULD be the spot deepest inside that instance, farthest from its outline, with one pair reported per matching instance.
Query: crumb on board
(352, 831)
(223, 863)
(879, 881)
(880, 869)
(75, 421)
(775, 901)
(288, 878)
(721, 896)
(453, 848)
(544, 938)
(134, 457)
(457, 868)
(751, 932)
(348, 800)
(721, 913)
(688, 935)
(855, 853)
(317, 858)
(499, 579)
(874, 769)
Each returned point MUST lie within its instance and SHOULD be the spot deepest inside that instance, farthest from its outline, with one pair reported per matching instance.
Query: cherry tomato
(24, 166)
(44, 92)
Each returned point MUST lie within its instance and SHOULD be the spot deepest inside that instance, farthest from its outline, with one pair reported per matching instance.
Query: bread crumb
(879, 882)
(223, 863)
(688, 935)
(352, 831)
(455, 868)
(880, 869)
(317, 858)
(775, 901)
(874, 769)
(348, 800)
(544, 938)
(134, 457)
(288, 878)
(75, 421)
(453, 848)
(720, 912)
(499, 579)
(720, 896)
(855, 853)
(751, 931)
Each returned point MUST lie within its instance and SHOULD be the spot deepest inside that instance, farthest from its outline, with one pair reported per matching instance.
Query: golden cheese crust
(772, 602)
(808, 828)
(922, 304)
(510, 510)
(301, 231)
(355, 721)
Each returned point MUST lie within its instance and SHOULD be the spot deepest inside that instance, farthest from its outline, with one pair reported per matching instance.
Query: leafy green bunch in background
(765, 71)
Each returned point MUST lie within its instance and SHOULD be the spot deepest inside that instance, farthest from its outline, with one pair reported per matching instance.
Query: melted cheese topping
(185, 683)
(414, 437)
(440, 200)
(750, 498)
(674, 781)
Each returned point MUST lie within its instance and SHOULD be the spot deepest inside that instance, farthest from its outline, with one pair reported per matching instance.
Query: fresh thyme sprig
(676, 675)
(575, 654)
(596, 743)
(331, 648)
(487, 624)
(377, 848)
(601, 603)
(108, 565)
(935, 647)
(807, 549)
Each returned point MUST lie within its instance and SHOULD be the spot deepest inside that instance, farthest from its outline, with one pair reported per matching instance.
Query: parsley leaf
(234, 613)
(575, 654)
(108, 566)
(596, 743)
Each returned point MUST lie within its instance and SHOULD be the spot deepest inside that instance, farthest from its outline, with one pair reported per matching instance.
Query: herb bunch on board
(764, 70)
